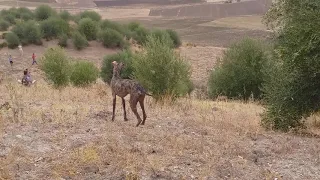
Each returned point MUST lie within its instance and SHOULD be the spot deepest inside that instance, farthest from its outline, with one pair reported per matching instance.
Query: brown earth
(112, 3)
(213, 10)
(68, 134)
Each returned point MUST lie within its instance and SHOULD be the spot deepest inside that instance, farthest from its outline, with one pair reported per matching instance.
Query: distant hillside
(105, 3)
(44, 1)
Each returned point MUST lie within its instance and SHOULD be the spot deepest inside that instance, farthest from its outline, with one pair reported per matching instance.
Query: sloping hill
(213, 10)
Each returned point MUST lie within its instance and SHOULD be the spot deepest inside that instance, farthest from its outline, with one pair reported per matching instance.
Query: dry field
(68, 134)
(244, 22)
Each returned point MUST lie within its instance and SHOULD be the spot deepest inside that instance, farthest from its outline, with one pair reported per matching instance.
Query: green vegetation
(91, 15)
(84, 73)
(56, 66)
(79, 41)
(123, 56)
(44, 12)
(63, 40)
(88, 28)
(12, 40)
(162, 71)
(292, 91)
(111, 38)
(53, 27)
(60, 70)
(28, 32)
(24, 14)
(45, 22)
(65, 15)
(174, 37)
(4, 25)
(239, 74)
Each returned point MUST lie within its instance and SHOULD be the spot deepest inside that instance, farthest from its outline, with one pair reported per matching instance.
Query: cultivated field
(68, 134)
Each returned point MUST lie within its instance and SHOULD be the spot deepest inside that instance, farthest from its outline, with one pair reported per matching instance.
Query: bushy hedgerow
(83, 73)
(44, 12)
(239, 74)
(292, 92)
(138, 32)
(24, 13)
(53, 27)
(88, 28)
(4, 25)
(91, 14)
(79, 40)
(12, 39)
(111, 38)
(174, 37)
(161, 70)
(124, 56)
(28, 32)
(65, 15)
(63, 40)
(56, 66)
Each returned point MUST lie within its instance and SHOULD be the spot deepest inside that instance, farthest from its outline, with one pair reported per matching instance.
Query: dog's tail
(143, 91)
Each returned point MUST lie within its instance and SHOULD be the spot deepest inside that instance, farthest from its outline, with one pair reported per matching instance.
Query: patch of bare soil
(202, 60)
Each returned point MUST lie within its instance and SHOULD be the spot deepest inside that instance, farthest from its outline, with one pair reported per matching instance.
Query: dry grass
(69, 133)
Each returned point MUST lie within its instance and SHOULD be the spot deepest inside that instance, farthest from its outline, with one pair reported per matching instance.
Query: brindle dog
(122, 87)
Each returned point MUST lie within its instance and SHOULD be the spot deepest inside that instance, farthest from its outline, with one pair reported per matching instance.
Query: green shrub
(107, 68)
(44, 12)
(161, 70)
(28, 32)
(24, 13)
(88, 28)
(175, 37)
(27, 17)
(53, 27)
(107, 24)
(63, 40)
(56, 66)
(18, 29)
(76, 18)
(4, 44)
(90, 14)
(3, 36)
(172, 34)
(132, 26)
(138, 32)
(4, 25)
(65, 15)
(140, 35)
(239, 74)
(292, 92)
(14, 12)
(84, 73)
(79, 41)
(12, 40)
(10, 15)
(9, 18)
(111, 38)
(158, 33)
